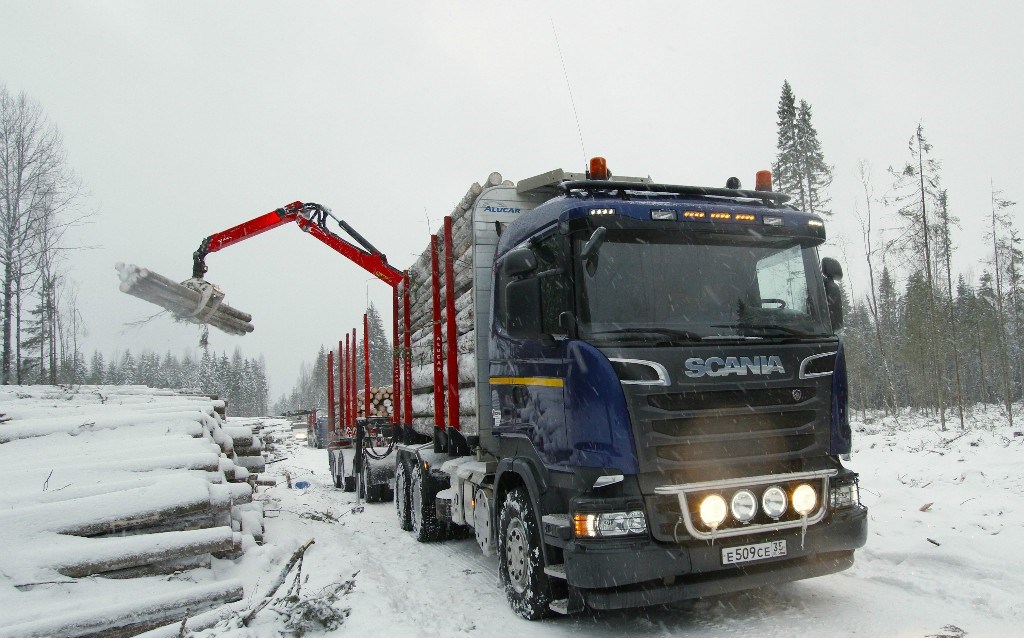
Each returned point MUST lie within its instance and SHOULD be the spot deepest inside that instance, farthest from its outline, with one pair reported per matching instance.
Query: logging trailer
(633, 393)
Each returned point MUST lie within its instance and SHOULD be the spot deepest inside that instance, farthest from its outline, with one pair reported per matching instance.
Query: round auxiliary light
(804, 499)
(743, 506)
(713, 510)
(773, 501)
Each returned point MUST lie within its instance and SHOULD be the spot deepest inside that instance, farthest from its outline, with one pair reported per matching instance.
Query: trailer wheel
(520, 565)
(402, 496)
(338, 468)
(422, 515)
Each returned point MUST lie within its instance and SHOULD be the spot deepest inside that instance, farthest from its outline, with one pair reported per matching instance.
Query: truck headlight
(844, 495)
(805, 499)
(743, 506)
(609, 524)
(713, 510)
(773, 501)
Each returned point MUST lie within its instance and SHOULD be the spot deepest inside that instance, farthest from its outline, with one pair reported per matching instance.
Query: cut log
(131, 615)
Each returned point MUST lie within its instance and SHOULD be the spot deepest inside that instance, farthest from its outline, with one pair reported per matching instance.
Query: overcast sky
(185, 118)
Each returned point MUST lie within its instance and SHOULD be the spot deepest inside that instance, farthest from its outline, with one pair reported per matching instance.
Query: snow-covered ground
(944, 555)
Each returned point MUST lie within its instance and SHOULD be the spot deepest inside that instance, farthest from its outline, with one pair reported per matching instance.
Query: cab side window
(555, 287)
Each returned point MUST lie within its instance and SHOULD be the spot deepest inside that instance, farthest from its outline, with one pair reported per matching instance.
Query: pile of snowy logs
(381, 401)
(204, 306)
(106, 483)
(422, 320)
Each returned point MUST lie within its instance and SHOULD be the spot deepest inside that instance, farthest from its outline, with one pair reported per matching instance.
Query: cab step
(555, 571)
(573, 604)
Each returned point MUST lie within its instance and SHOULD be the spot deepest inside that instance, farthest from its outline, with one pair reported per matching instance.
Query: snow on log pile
(107, 483)
(422, 320)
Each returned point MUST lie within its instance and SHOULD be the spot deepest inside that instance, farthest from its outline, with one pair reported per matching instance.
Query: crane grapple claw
(194, 300)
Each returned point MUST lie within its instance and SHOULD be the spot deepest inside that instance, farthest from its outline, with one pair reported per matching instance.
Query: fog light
(713, 510)
(743, 506)
(773, 501)
(805, 499)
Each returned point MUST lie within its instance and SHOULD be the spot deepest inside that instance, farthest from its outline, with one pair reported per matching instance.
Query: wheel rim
(517, 555)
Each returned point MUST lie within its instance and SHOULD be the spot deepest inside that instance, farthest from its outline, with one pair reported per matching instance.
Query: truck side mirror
(589, 252)
(831, 269)
(834, 300)
(519, 261)
(522, 308)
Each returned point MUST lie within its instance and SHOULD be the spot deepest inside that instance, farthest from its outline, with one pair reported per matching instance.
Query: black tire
(423, 516)
(370, 492)
(350, 483)
(402, 496)
(338, 468)
(520, 562)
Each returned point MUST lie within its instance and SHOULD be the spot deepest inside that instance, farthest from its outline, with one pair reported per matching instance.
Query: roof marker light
(816, 223)
(745, 217)
(694, 214)
(602, 211)
(721, 216)
(599, 168)
(763, 181)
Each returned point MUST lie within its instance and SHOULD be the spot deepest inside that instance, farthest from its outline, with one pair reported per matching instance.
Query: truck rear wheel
(422, 514)
(520, 562)
(337, 468)
(402, 496)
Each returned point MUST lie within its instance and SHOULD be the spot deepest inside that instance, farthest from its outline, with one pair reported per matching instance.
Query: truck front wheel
(520, 563)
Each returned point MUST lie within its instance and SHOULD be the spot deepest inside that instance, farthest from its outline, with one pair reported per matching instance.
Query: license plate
(747, 553)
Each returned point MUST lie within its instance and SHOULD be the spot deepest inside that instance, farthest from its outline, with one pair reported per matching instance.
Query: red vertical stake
(341, 390)
(348, 390)
(330, 393)
(396, 373)
(355, 379)
(366, 366)
(437, 351)
(407, 350)
(452, 334)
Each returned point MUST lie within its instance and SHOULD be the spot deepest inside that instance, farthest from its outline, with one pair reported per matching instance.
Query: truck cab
(664, 413)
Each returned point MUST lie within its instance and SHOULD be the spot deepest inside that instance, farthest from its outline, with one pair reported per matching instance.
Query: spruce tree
(786, 169)
(815, 171)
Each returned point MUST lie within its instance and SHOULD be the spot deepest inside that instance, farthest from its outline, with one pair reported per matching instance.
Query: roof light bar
(602, 211)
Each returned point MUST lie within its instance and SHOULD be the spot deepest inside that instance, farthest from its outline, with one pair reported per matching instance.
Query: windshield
(682, 286)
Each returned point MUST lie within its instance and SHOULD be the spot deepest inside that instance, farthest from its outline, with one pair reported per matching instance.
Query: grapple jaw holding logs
(194, 300)
(198, 301)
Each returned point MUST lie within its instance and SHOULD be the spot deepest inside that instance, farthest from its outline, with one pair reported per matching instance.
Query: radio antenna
(568, 85)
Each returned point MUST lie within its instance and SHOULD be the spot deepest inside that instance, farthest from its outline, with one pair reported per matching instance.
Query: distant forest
(240, 381)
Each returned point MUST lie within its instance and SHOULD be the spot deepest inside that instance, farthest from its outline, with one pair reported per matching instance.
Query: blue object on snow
(301, 485)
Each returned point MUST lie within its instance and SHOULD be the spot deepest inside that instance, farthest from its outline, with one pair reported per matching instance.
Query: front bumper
(621, 574)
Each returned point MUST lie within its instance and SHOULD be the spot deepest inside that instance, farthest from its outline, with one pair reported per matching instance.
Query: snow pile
(106, 483)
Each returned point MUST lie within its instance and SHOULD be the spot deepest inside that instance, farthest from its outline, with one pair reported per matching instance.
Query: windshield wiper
(683, 335)
(786, 330)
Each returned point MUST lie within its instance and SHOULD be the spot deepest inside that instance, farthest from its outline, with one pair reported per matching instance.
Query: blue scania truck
(637, 395)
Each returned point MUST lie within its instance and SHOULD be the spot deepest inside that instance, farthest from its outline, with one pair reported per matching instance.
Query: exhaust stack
(194, 300)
